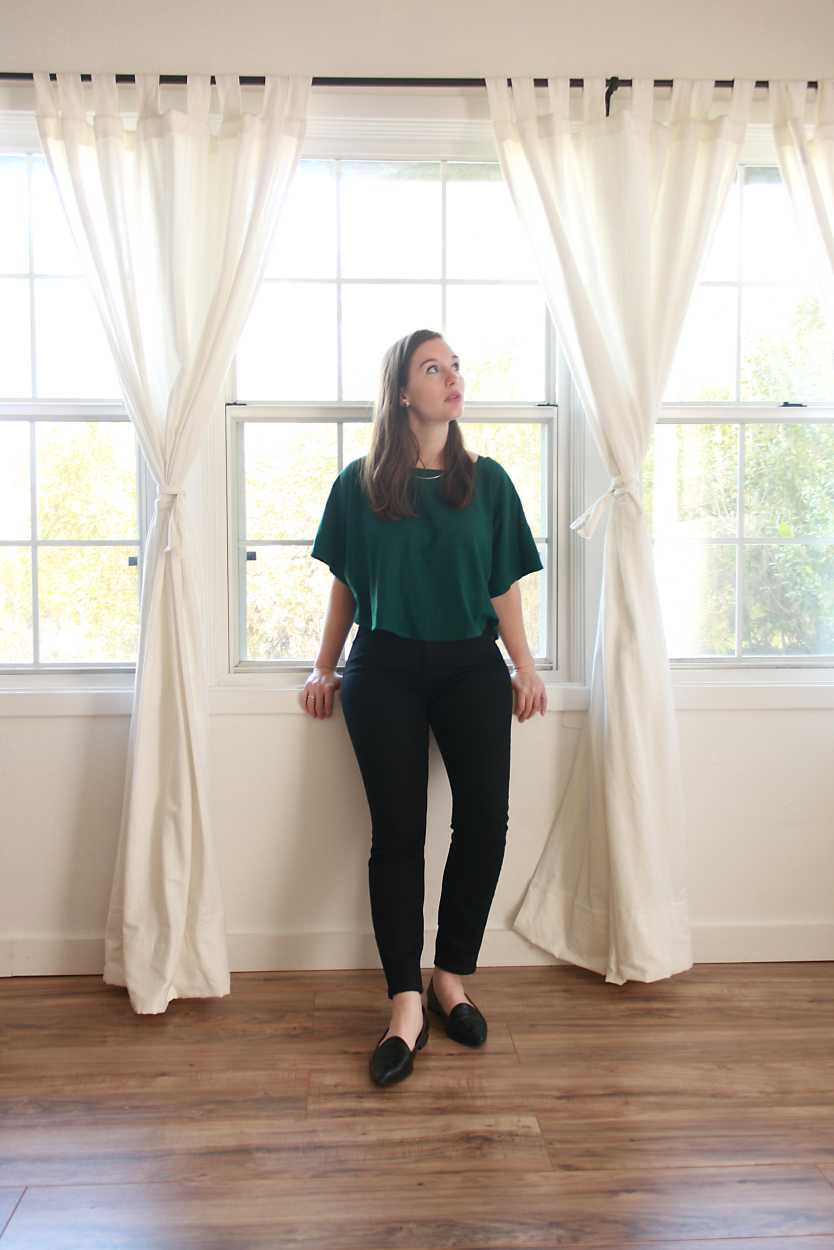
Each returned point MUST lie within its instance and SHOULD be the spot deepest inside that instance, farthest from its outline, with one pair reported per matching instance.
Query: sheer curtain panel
(173, 221)
(805, 151)
(619, 212)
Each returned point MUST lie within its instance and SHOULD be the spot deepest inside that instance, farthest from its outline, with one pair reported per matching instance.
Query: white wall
(292, 823)
(422, 38)
(757, 774)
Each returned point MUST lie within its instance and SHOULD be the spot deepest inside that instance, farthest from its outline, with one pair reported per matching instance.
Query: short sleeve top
(430, 576)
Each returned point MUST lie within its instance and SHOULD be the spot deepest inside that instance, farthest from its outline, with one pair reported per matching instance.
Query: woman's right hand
(317, 694)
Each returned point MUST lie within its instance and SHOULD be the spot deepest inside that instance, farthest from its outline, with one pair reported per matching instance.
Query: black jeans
(392, 690)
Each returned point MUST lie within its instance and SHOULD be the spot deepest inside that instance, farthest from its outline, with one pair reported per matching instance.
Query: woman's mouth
(451, 398)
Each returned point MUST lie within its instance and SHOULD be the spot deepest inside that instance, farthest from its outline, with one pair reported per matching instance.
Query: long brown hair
(385, 472)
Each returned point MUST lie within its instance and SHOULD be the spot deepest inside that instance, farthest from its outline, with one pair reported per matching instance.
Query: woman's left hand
(531, 695)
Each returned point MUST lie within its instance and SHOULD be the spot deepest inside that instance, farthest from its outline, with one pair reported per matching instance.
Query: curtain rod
(247, 80)
(259, 80)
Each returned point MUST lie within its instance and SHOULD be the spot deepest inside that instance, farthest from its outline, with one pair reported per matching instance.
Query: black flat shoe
(464, 1023)
(393, 1059)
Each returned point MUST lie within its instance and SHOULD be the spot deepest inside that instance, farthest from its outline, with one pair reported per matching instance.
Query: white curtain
(619, 212)
(805, 149)
(173, 221)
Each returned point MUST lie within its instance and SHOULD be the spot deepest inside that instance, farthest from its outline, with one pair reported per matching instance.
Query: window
(367, 251)
(736, 491)
(72, 487)
(738, 487)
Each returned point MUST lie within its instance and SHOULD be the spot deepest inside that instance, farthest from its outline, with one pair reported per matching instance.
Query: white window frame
(76, 675)
(450, 123)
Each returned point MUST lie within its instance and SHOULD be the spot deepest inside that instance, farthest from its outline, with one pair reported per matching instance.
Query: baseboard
(69, 955)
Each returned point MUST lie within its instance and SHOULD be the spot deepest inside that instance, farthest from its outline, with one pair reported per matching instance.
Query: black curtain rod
(254, 80)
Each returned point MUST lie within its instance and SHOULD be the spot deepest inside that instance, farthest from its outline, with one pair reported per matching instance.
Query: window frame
(391, 122)
(758, 151)
(79, 674)
(238, 413)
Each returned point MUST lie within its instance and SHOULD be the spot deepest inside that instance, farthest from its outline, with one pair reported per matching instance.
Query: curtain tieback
(586, 523)
(166, 502)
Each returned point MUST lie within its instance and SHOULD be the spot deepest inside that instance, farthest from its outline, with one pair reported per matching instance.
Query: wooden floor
(695, 1112)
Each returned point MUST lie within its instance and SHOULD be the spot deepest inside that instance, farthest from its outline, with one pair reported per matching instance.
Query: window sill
(569, 699)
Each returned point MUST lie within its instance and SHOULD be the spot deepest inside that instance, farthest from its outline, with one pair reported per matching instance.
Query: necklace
(430, 479)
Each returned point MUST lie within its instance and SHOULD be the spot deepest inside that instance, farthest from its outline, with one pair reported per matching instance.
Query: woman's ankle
(450, 978)
(406, 1002)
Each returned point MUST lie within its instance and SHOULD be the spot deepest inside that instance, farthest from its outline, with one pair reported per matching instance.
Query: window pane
(374, 317)
(15, 487)
(288, 346)
(89, 604)
(499, 334)
(789, 480)
(289, 469)
(53, 245)
(521, 448)
(304, 245)
(722, 260)
(696, 585)
(704, 365)
(16, 356)
(391, 219)
(16, 638)
(534, 597)
(73, 359)
(770, 245)
(788, 599)
(86, 480)
(14, 215)
(689, 492)
(285, 593)
(484, 237)
(356, 439)
(690, 481)
(787, 350)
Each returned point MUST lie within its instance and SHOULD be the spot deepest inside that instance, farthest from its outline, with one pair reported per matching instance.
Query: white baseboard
(68, 955)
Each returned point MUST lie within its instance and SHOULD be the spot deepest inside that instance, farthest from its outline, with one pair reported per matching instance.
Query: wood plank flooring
(695, 1113)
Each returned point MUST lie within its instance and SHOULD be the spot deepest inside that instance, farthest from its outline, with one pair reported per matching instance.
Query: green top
(430, 576)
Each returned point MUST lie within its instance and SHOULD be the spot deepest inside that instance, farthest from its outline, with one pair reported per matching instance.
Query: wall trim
(67, 955)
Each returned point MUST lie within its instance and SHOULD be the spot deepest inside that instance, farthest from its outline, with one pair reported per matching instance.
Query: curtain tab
(166, 502)
(620, 486)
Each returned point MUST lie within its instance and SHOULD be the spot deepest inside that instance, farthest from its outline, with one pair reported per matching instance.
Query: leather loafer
(464, 1023)
(393, 1059)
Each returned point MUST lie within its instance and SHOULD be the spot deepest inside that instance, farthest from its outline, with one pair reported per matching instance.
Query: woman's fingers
(316, 698)
(529, 701)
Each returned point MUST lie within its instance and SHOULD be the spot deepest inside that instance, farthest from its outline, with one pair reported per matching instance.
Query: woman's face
(435, 384)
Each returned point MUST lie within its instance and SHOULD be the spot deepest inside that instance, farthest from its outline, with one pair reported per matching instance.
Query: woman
(426, 541)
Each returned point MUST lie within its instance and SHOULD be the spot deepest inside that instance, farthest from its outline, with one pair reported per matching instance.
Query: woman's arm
(337, 622)
(511, 627)
(531, 695)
